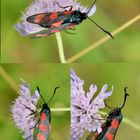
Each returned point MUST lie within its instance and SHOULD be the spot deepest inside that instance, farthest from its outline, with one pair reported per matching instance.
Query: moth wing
(43, 129)
(49, 31)
(112, 129)
(95, 135)
(40, 34)
(38, 18)
(50, 20)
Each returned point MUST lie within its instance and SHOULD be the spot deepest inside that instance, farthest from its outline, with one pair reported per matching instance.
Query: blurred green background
(47, 77)
(110, 15)
(119, 75)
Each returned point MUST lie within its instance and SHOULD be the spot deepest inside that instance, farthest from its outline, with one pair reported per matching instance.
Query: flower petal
(23, 110)
(84, 108)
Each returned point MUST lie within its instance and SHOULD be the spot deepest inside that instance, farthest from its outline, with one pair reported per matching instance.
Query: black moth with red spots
(111, 125)
(44, 122)
(58, 21)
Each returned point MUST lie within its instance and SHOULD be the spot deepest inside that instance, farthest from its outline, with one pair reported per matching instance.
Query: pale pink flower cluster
(23, 110)
(85, 107)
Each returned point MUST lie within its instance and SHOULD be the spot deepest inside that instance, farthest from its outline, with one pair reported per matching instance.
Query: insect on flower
(85, 107)
(110, 127)
(25, 114)
(61, 20)
(23, 110)
(44, 122)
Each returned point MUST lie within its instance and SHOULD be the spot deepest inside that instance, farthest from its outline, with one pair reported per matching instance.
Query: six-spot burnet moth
(110, 127)
(58, 21)
(44, 122)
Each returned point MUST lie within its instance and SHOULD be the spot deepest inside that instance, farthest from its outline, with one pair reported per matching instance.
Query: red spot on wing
(109, 136)
(43, 116)
(53, 16)
(57, 24)
(39, 17)
(114, 124)
(40, 136)
(55, 31)
(43, 127)
(68, 12)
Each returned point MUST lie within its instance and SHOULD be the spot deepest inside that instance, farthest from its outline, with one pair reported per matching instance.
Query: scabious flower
(46, 6)
(85, 107)
(24, 109)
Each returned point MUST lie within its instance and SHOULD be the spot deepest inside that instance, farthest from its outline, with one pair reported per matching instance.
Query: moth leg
(30, 109)
(90, 136)
(69, 32)
(37, 106)
(32, 112)
(102, 119)
(65, 6)
(109, 107)
(78, 8)
(72, 28)
(35, 124)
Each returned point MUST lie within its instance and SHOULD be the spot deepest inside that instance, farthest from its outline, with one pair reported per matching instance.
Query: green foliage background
(109, 14)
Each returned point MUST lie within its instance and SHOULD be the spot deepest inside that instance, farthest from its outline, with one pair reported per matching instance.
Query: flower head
(85, 107)
(23, 110)
(46, 6)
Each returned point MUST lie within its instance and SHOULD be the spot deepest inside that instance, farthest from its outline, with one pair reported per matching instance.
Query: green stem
(60, 109)
(131, 123)
(8, 79)
(60, 47)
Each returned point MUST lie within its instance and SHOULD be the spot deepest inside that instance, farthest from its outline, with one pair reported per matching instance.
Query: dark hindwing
(50, 31)
(96, 136)
(112, 129)
(39, 19)
(102, 134)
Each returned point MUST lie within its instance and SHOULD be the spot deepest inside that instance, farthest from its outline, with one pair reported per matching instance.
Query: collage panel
(100, 103)
(83, 43)
(19, 108)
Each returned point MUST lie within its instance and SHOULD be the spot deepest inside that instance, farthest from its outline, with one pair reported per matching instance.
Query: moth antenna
(53, 94)
(109, 107)
(65, 6)
(40, 94)
(125, 97)
(91, 6)
(107, 32)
